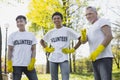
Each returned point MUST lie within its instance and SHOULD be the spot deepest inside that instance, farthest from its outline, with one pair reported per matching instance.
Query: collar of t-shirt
(59, 28)
(21, 31)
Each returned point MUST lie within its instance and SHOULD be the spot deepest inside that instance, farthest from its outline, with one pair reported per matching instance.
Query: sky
(8, 14)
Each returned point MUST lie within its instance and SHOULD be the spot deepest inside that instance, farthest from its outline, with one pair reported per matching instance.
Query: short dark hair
(21, 17)
(57, 13)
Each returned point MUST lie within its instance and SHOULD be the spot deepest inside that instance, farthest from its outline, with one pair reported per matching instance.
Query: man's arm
(30, 66)
(78, 43)
(9, 63)
(10, 50)
(33, 51)
(42, 42)
(108, 35)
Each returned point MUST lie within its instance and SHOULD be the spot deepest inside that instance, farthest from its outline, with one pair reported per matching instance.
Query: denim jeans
(65, 70)
(17, 73)
(103, 69)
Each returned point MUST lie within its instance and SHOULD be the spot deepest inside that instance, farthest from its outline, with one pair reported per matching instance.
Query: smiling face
(21, 24)
(91, 15)
(57, 20)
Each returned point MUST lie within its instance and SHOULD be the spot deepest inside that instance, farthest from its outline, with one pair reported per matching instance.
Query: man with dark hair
(22, 51)
(21, 17)
(99, 37)
(59, 38)
(59, 14)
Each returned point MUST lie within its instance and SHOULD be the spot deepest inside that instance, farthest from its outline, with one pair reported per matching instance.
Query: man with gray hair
(99, 37)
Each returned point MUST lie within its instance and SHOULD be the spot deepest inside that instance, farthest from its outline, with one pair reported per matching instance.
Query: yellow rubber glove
(71, 50)
(97, 52)
(68, 51)
(9, 66)
(31, 64)
(83, 35)
(49, 49)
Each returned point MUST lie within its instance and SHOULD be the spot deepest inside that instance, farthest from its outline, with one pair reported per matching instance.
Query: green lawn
(87, 76)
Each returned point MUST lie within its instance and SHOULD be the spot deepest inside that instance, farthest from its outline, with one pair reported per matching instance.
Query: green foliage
(83, 65)
(40, 12)
(84, 76)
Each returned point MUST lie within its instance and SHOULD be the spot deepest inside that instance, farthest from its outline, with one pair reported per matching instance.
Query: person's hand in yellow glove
(97, 52)
(30, 67)
(68, 51)
(49, 49)
(83, 35)
(9, 66)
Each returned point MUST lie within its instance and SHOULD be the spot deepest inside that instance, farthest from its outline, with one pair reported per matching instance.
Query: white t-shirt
(22, 43)
(59, 39)
(96, 36)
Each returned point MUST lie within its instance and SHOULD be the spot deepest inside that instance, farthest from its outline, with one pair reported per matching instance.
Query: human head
(57, 18)
(91, 14)
(21, 22)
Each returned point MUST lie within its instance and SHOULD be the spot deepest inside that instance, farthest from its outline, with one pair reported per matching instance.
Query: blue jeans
(65, 70)
(17, 73)
(103, 69)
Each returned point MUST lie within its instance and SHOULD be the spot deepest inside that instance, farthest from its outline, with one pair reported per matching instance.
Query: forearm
(10, 50)
(106, 41)
(42, 42)
(78, 43)
(33, 51)
(9, 55)
(108, 35)
(33, 54)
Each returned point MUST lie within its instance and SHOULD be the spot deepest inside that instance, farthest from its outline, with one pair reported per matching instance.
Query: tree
(39, 14)
(116, 52)
(116, 31)
(0, 54)
(76, 21)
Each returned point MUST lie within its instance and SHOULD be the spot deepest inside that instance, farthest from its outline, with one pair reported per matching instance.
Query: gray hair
(93, 8)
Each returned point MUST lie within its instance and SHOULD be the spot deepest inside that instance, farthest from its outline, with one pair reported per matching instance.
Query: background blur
(38, 13)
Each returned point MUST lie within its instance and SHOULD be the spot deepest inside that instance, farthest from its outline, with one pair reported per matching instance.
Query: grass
(85, 76)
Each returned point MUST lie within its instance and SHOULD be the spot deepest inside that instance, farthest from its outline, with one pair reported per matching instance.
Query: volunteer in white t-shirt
(99, 37)
(59, 38)
(22, 51)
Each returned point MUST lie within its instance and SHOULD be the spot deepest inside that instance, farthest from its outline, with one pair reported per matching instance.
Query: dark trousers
(17, 73)
(103, 69)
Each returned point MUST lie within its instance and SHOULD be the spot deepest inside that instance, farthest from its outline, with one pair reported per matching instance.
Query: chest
(95, 33)
(22, 39)
(59, 36)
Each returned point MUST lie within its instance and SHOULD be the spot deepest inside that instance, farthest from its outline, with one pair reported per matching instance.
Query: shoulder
(30, 34)
(13, 33)
(67, 28)
(104, 20)
(50, 31)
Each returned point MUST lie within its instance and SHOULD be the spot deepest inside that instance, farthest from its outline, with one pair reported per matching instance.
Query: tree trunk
(47, 64)
(0, 54)
(70, 63)
(74, 64)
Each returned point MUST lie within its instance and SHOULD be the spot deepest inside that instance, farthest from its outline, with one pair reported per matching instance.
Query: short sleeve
(46, 37)
(10, 40)
(34, 40)
(73, 34)
(104, 22)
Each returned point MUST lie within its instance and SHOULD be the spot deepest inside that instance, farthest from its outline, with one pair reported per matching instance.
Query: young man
(22, 51)
(59, 38)
(99, 37)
